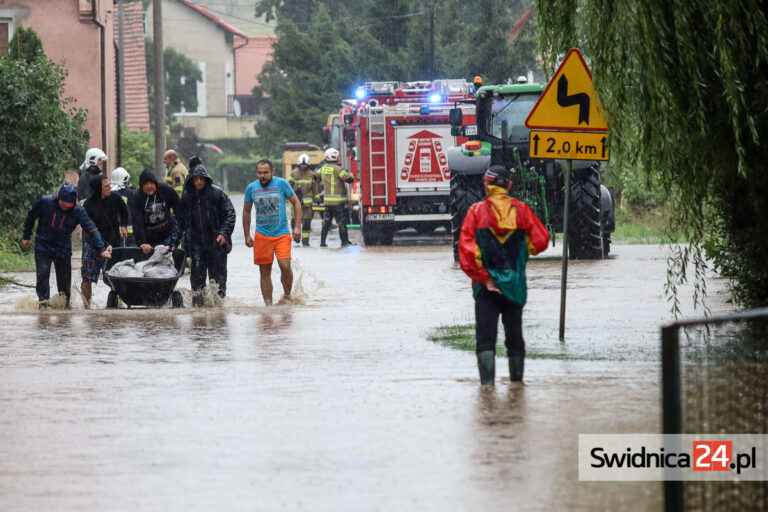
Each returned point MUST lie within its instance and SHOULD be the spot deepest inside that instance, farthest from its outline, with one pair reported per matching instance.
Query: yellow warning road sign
(569, 145)
(569, 102)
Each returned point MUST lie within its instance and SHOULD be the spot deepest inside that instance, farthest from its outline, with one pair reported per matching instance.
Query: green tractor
(499, 136)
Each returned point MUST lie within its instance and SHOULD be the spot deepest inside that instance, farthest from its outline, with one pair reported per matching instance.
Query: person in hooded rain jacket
(497, 236)
(110, 214)
(151, 209)
(207, 221)
(58, 216)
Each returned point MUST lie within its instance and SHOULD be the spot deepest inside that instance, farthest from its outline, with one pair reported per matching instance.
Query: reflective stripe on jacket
(304, 182)
(335, 180)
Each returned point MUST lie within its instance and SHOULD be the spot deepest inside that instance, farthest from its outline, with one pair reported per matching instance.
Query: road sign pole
(564, 271)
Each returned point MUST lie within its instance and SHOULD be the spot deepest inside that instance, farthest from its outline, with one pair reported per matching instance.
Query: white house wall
(201, 40)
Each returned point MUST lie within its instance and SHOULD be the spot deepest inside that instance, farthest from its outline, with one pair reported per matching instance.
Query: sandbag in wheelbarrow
(143, 291)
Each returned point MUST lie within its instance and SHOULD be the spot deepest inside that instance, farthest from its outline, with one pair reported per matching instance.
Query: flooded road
(340, 403)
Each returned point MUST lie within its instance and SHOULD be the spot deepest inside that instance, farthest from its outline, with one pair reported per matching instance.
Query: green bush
(138, 152)
(41, 136)
(240, 172)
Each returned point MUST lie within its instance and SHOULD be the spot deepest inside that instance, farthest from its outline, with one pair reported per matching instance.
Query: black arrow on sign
(581, 99)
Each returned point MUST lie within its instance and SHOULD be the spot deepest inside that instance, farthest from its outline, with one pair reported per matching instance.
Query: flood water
(339, 403)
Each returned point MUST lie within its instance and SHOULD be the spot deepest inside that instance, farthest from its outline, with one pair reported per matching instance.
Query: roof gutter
(103, 58)
(234, 54)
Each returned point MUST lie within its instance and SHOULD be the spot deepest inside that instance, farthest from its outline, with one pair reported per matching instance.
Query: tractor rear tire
(466, 190)
(585, 230)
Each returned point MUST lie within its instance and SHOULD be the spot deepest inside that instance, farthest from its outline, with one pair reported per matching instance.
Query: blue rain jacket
(54, 231)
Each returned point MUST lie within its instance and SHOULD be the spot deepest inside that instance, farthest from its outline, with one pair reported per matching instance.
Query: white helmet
(304, 159)
(119, 178)
(92, 157)
(332, 154)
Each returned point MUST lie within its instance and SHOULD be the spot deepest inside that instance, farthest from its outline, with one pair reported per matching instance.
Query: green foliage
(12, 256)
(180, 84)
(138, 151)
(687, 87)
(240, 172)
(44, 139)
(327, 47)
(25, 45)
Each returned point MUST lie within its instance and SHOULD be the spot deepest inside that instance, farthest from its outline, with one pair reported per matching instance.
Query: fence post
(670, 390)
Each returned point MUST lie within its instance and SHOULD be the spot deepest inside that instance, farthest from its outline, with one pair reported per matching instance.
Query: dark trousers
(488, 307)
(63, 275)
(341, 213)
(215, 268)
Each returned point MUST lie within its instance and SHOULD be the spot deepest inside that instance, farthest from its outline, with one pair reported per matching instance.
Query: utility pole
(121, 58)
(157, 36)
(121, 83)
(432, 39)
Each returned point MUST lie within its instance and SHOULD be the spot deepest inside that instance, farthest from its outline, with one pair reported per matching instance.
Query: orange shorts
(265, 248)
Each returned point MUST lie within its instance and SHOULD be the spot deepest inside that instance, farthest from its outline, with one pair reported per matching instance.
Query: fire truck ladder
(377, 144)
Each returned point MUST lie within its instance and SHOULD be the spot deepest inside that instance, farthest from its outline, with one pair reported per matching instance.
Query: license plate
(470, 129)
(380, 216)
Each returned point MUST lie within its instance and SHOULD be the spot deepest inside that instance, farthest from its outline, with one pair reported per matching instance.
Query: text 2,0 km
(568, 145)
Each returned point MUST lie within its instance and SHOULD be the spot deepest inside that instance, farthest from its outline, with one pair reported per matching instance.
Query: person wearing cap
(497, 236)
(304, 183)
(90, 168)
(207, 221)
(177, 173)
(59, 215)
(110, 214)
(152, 212)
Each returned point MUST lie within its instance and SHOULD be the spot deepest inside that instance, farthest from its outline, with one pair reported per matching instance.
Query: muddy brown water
(337, 403)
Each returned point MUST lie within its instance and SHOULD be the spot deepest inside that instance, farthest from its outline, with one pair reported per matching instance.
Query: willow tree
(686, 84)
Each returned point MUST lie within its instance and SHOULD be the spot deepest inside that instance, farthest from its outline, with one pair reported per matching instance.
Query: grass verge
(13, 259)
(642, 226)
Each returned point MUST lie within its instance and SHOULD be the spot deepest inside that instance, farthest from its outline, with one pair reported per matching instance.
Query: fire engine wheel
(466, 189)
(585, 233)
(377, 235)
(425, 228)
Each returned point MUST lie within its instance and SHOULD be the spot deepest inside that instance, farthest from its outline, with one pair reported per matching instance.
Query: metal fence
(715, 381)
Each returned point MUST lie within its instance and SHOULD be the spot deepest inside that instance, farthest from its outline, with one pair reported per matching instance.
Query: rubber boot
(516, 366)
(324, 234)
(486, 364)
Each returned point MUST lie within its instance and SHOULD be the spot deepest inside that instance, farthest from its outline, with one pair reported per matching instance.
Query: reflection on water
(335, 402)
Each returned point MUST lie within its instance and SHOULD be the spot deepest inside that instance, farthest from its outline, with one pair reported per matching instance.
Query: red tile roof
(249, 60)
(136, 100)
(226, 26)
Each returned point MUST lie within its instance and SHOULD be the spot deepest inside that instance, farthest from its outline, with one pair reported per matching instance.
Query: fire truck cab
(402, 133)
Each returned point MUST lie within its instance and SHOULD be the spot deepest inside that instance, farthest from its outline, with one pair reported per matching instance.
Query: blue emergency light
(435, 97)
(360, 93)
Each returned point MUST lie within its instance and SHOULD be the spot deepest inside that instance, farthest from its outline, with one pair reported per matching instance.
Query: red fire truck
(402, 134)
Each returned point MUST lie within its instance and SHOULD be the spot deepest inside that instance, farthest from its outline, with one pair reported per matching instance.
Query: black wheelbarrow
(151, 292)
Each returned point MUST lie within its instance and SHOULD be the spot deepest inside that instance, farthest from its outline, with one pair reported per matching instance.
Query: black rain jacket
(205, 215)
(153, 220)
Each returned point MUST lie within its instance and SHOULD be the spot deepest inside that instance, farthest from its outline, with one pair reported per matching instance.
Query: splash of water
(305, 284)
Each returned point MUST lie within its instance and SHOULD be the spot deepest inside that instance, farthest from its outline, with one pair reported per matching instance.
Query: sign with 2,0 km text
(568, 145)
(569, 102)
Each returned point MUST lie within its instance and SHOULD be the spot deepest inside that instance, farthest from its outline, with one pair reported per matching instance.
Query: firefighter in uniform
(303, 180)
(335, 180)
(177, 173)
